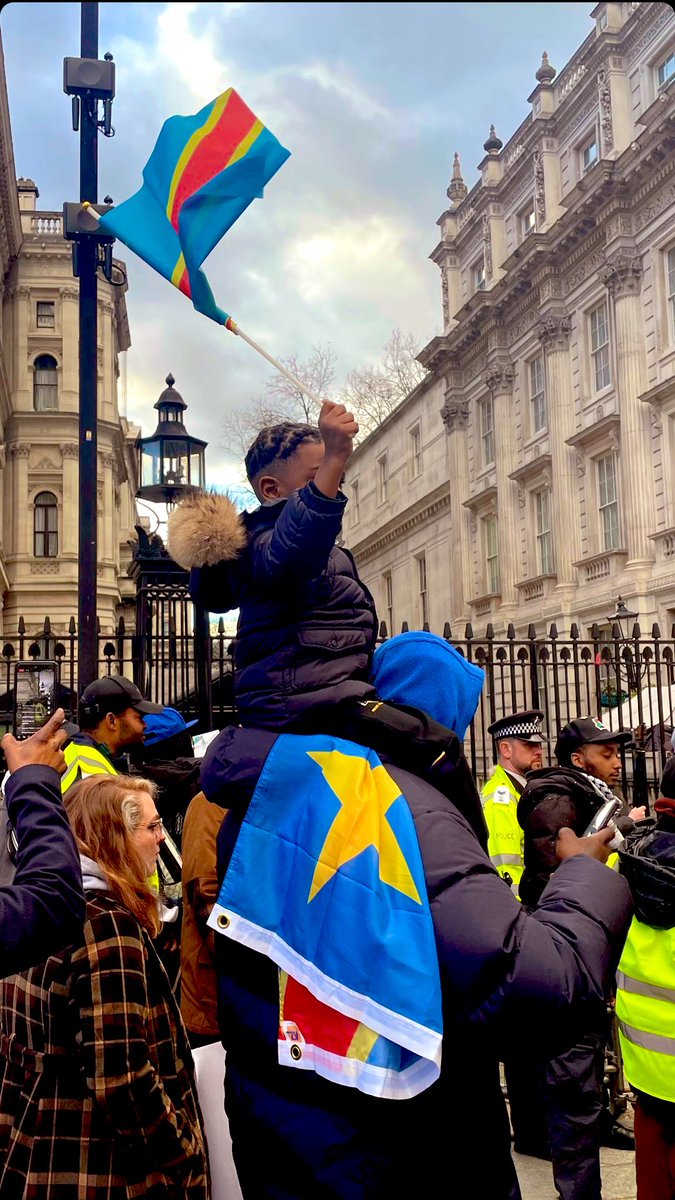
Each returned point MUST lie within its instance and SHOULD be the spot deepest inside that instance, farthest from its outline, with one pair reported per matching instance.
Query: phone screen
(35, 693)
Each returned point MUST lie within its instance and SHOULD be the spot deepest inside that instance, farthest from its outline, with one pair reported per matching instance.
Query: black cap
(114, 693)
(525, 726)
(586, 731)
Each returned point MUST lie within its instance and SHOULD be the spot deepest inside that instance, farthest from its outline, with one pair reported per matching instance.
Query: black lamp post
(171, 462)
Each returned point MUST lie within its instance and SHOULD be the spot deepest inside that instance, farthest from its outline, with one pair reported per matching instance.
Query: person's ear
(269, 488)
(577, 759)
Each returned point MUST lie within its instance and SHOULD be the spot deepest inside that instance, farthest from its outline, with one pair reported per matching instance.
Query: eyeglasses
(156, 826)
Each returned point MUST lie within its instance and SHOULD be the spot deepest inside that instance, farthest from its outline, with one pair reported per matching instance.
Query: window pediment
(537, 471)
(602, 435)
(484, 503)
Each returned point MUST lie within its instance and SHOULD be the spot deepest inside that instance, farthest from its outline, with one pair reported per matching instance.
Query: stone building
(39, 422)
(529, 478)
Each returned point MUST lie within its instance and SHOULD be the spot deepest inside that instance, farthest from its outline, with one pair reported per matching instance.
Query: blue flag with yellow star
(326, 879)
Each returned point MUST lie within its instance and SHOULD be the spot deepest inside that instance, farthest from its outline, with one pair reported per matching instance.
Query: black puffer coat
(307, 624)
(554, 798)
(509, 979)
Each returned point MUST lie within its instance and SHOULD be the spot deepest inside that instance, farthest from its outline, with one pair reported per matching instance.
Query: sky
(372, 100)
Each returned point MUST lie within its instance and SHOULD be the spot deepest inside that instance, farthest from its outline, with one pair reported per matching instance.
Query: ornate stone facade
(547, 418)
(39, 422)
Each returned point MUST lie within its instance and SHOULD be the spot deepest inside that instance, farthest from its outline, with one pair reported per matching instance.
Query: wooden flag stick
(231, 324)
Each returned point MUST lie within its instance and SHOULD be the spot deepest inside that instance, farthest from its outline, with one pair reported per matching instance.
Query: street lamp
(627, 638)
(171, 462)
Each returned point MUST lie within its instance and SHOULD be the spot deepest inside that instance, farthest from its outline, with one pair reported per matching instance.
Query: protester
(307, 624)
(111, 713)
(645, 998)
(166, 757)
(97, 1089)
(579, 1120)
(43, 907)
(507, 976)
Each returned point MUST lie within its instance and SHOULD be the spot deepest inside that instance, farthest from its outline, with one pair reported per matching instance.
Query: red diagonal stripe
(213, 152)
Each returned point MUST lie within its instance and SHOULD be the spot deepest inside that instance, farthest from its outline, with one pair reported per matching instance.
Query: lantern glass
(151, 458)
(197, 468)
(175, 462)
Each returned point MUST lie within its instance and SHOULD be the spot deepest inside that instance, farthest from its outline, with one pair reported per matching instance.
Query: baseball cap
(165, 724)
(525, 726)
(114, 693)
(586, 731)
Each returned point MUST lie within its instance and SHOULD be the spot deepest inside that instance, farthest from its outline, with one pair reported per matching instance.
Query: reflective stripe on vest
(645, 1009)
(82, 761)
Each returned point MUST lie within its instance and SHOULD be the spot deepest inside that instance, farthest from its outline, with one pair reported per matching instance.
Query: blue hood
(423, 671)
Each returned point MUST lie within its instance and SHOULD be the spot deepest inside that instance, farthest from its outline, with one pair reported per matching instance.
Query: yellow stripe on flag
(190, 147)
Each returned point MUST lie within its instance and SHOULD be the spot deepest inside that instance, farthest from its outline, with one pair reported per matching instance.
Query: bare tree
(284, 401)
(374, 392)
(371, 393)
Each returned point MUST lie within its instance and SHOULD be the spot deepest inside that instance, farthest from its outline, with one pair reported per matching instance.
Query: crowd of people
(267, 899)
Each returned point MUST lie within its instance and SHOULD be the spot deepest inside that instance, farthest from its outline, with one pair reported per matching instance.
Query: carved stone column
(455, 414)
(554, 334)
(70, 456)
(21, 533)
(623, 279)
(499, 380)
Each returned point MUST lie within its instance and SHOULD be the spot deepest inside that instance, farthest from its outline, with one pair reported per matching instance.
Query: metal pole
(87, 266)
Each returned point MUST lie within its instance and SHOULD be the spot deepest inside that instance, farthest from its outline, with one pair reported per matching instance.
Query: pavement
(617, 1168)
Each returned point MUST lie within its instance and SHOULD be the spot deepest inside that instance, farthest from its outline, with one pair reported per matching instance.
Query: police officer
(111, 716)
(518, 742)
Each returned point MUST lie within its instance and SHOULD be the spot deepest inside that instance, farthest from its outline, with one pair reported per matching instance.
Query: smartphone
(603, 817)
(34, 696)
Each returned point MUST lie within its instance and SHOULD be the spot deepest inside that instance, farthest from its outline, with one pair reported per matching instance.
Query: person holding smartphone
(42, 910)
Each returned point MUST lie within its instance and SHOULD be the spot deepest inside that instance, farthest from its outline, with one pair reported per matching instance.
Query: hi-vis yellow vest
(645, 1009)
(83, 761)
(499, 798)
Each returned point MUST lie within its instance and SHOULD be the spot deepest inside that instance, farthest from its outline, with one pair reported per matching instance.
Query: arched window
(45, 386)
(45, 526)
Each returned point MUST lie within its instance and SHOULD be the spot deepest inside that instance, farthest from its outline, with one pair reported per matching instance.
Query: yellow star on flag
(365, 794)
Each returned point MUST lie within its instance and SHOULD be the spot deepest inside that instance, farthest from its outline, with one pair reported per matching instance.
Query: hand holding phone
(34, 696)
(43, 748)
(603, 819)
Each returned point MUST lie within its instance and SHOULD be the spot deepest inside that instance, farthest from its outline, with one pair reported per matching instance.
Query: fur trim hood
(204, 530)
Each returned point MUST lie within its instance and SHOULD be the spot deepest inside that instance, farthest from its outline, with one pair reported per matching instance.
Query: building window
(542, 512)
(491, 555)
(45, 314)
(45, 526)
(602, 22)
(355, 501)
(45, 383)
(382, 479)
(608, 502)
(388, 590)
(422, 588)
(487, 433)
(588, 154)
(526, 221)
(537, 394)
(666, 69)
(479, 276)
(670, 264)
(415, 452)
(600, 347)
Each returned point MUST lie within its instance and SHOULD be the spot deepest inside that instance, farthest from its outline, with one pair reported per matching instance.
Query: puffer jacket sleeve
(298, 546)
(504, 969)
(43, 909)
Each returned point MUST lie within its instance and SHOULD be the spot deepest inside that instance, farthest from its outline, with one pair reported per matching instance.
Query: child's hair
(276, 444)
(103, 812)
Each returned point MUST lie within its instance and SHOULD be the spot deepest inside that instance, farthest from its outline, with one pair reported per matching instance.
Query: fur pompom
(204, 530)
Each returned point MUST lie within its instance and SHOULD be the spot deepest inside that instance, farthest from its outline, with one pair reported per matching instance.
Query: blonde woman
(96, 1077)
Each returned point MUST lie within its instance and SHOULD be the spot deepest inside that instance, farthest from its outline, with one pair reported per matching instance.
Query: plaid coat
(97, 1097)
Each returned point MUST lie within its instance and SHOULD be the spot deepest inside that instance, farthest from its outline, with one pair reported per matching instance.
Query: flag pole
(231, 324)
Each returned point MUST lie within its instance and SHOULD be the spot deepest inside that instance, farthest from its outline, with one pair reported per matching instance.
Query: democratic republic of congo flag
(203, 172)
(326, 880)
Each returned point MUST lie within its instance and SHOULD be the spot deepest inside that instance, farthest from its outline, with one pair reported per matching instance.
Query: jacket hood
(424, 671)
(94, 878)
(204, 530)
(557, 781)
